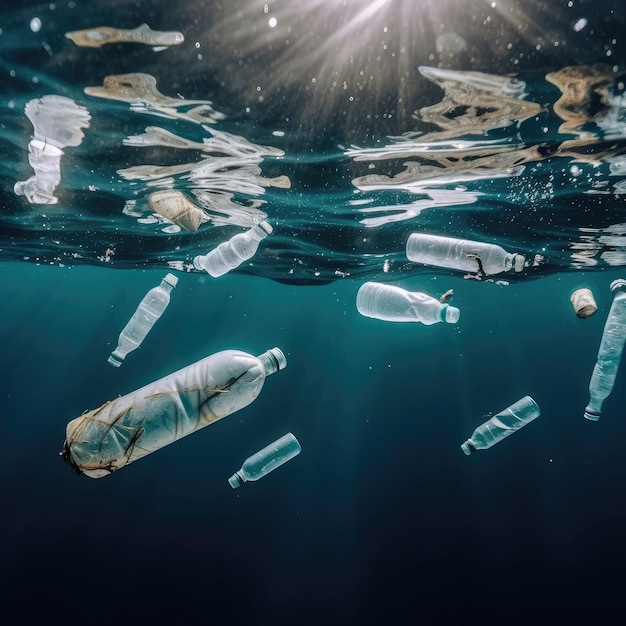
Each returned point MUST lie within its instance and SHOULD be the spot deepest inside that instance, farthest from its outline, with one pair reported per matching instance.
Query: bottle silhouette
(394, 304)
(266, 460)
(610, 352)
(461, 254)
(143, 319)
(132, 426)
(232, 253)
(502, 425)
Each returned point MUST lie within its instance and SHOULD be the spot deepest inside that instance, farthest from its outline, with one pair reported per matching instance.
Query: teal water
(381, 518)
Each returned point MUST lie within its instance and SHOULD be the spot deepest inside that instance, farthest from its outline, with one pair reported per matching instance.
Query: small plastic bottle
(232, 253)
(610, 352)
(502, 425)
(394, 304)
(266, 460)
(461, 254)
(148, 312)
(130, 427)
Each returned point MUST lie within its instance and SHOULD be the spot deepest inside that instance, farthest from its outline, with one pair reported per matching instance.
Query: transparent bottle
(502, 425)
(232, 253)
(461, 254)
(148, 312)
(132, 426)
(394, 304)
(610, 352)
(266, 460)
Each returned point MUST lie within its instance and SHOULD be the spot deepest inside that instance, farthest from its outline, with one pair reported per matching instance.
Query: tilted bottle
(232, 253)
(394, 304)
(610, 352)
(502, 425)
(148, 312)
(266, 460)
(132, 426)
(461, 254)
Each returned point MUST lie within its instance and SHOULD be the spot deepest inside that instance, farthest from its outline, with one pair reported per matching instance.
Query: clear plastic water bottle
(232, 253)
(461, 254)
(394, 304)
(132, 426)
(502, 425)
(610, 352)
(143, 319)
(266, 460)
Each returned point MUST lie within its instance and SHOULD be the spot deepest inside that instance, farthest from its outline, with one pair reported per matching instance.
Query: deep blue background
(380, 519)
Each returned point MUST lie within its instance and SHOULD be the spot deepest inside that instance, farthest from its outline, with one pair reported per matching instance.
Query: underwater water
(129, 150)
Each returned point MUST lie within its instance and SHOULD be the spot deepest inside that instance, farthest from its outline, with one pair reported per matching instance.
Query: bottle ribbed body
(609, 354)
(461, 254)
(502, 425)
(143, 319)
(232, 253)
(266, 460)
(394, 304)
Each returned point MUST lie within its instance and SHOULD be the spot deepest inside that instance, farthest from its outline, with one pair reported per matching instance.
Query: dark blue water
(337, 127)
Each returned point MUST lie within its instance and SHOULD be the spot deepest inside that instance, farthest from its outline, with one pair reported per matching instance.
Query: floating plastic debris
(102, 35)
(394, 304)
(232, 253)
(583, 302)
(141, 92)
(148, 312)
(462, 254)
(502, 425)
(610, 352)
(132, 426)
(58, 122)
(176, 207)
(266, 460)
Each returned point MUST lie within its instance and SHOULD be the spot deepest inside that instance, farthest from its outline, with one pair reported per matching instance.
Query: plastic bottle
(610, 352)
(461, 254)
(148, 312)
(266, 460)
(132, 426)
(232, 253)
(394, 304)
(502, 425)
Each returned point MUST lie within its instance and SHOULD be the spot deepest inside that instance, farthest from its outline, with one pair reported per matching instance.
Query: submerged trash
(57, 123)
(462, 254)
(101, 35)
(610, 352)
(394, 304)
(583, 302)
(502, 425)
(266, 460)
(132, 426)
(148, 312)
(175, 206)
(232, 253)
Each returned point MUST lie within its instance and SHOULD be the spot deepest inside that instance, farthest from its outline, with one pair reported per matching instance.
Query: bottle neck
(272, 360)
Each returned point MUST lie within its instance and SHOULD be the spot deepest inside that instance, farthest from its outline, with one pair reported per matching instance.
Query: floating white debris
(101, 35)
(57, 123)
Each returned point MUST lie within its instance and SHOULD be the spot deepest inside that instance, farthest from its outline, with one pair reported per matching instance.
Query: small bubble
(35, 24)
(273, 22)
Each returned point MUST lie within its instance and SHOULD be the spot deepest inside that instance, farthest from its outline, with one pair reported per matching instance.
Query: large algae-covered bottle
(132, 426)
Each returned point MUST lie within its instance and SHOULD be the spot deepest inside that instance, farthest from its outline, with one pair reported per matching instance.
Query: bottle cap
(518, 262)
(170, 279)
(115, 360)
(618, 283)
(451, 314)
(273, 360)
(467, 447)
(235, 481)
(592, 416)
(265, 226)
